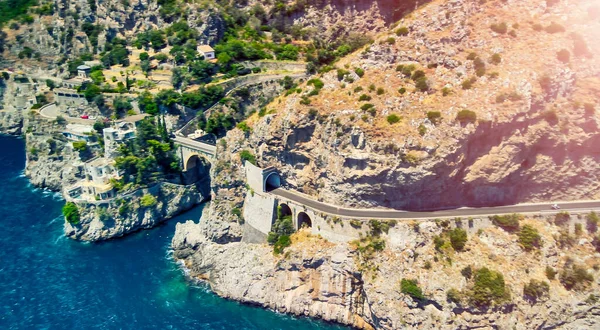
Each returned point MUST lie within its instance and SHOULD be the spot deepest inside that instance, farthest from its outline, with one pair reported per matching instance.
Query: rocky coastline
(325, 280)
(141, 209)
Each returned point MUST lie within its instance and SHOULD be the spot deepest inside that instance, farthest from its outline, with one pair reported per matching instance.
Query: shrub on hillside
(453, 296)
(550, 273)
(422, 84)
(489, 289)
(509, 222)
(247, 155)
(580, 47)
(575, 277)
(468, 83)
(364, 97)
(467, 272)
(402, 31)
(529, 238)
(555, 28)
(496, 59)
(148, 201)
(411, 288)
(435, 117)
(501, 28)
(393, 118)
(458, 238)
(359, 72)
(466, 116)
(536, 290)
(596, 243)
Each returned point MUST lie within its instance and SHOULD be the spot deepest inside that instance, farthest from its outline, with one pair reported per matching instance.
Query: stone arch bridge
(196, 158)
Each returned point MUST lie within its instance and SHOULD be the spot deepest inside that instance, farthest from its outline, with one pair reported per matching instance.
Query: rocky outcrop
(339, 283)
(142, 209)
(321, 283)
(51, 161)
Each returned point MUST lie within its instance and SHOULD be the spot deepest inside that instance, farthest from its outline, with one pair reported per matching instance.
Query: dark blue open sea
(50, 282)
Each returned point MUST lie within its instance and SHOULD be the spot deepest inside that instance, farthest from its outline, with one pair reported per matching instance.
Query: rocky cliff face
(338, 283)
(145, 208)
(51, 161)
(536, 115)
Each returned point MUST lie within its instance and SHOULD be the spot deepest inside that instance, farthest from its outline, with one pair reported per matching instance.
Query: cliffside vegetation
(71, 213)
(150, 157)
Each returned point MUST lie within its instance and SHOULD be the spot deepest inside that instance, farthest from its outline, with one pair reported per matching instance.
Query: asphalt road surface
(380, 213)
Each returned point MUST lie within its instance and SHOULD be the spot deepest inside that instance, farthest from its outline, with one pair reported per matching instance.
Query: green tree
(488, 289)
(71, 213)
(529, 238)
(458, 238)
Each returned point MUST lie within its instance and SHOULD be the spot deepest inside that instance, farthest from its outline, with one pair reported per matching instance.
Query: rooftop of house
(65, 91)
(205, 49)
(83, 67)
(99, 162)
(79, 129)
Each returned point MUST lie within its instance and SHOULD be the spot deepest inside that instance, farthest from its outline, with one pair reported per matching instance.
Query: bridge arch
(304, 220)
(283, 210)
(272, 181)
(195, 168)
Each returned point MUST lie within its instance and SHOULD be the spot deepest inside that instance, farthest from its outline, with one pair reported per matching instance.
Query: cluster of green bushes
(411, 288)
(279, 236)
(529, 237)
(536, 290)
(575, 277)
(509, 222)
(246, 155)
(71, 213)
(148, 200)
(149, 157)
(417, 76)
(486, 289)
(456, 238)
(15, 9)
(466, 116)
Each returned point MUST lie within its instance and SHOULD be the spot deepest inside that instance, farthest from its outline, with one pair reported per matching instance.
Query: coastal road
(380, 213)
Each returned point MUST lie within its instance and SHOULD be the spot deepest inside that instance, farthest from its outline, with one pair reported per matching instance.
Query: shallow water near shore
(50, 282)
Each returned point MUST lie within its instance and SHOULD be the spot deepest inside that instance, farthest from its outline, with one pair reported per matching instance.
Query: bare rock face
(128, 214)
(322, 283)
(335, 282)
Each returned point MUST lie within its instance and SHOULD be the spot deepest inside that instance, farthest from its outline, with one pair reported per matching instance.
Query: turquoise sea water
(50, 282)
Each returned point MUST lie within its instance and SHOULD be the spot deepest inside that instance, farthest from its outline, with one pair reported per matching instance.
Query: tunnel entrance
(273, 181)
(304, 221)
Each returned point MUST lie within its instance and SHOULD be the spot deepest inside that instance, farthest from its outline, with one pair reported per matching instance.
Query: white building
(96, 185)
(78, 132)
(83, 71)
(113, 136)
(207, 51)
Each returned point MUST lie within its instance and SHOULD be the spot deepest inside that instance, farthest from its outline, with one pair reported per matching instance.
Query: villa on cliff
(98, 172)
(96, 185)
